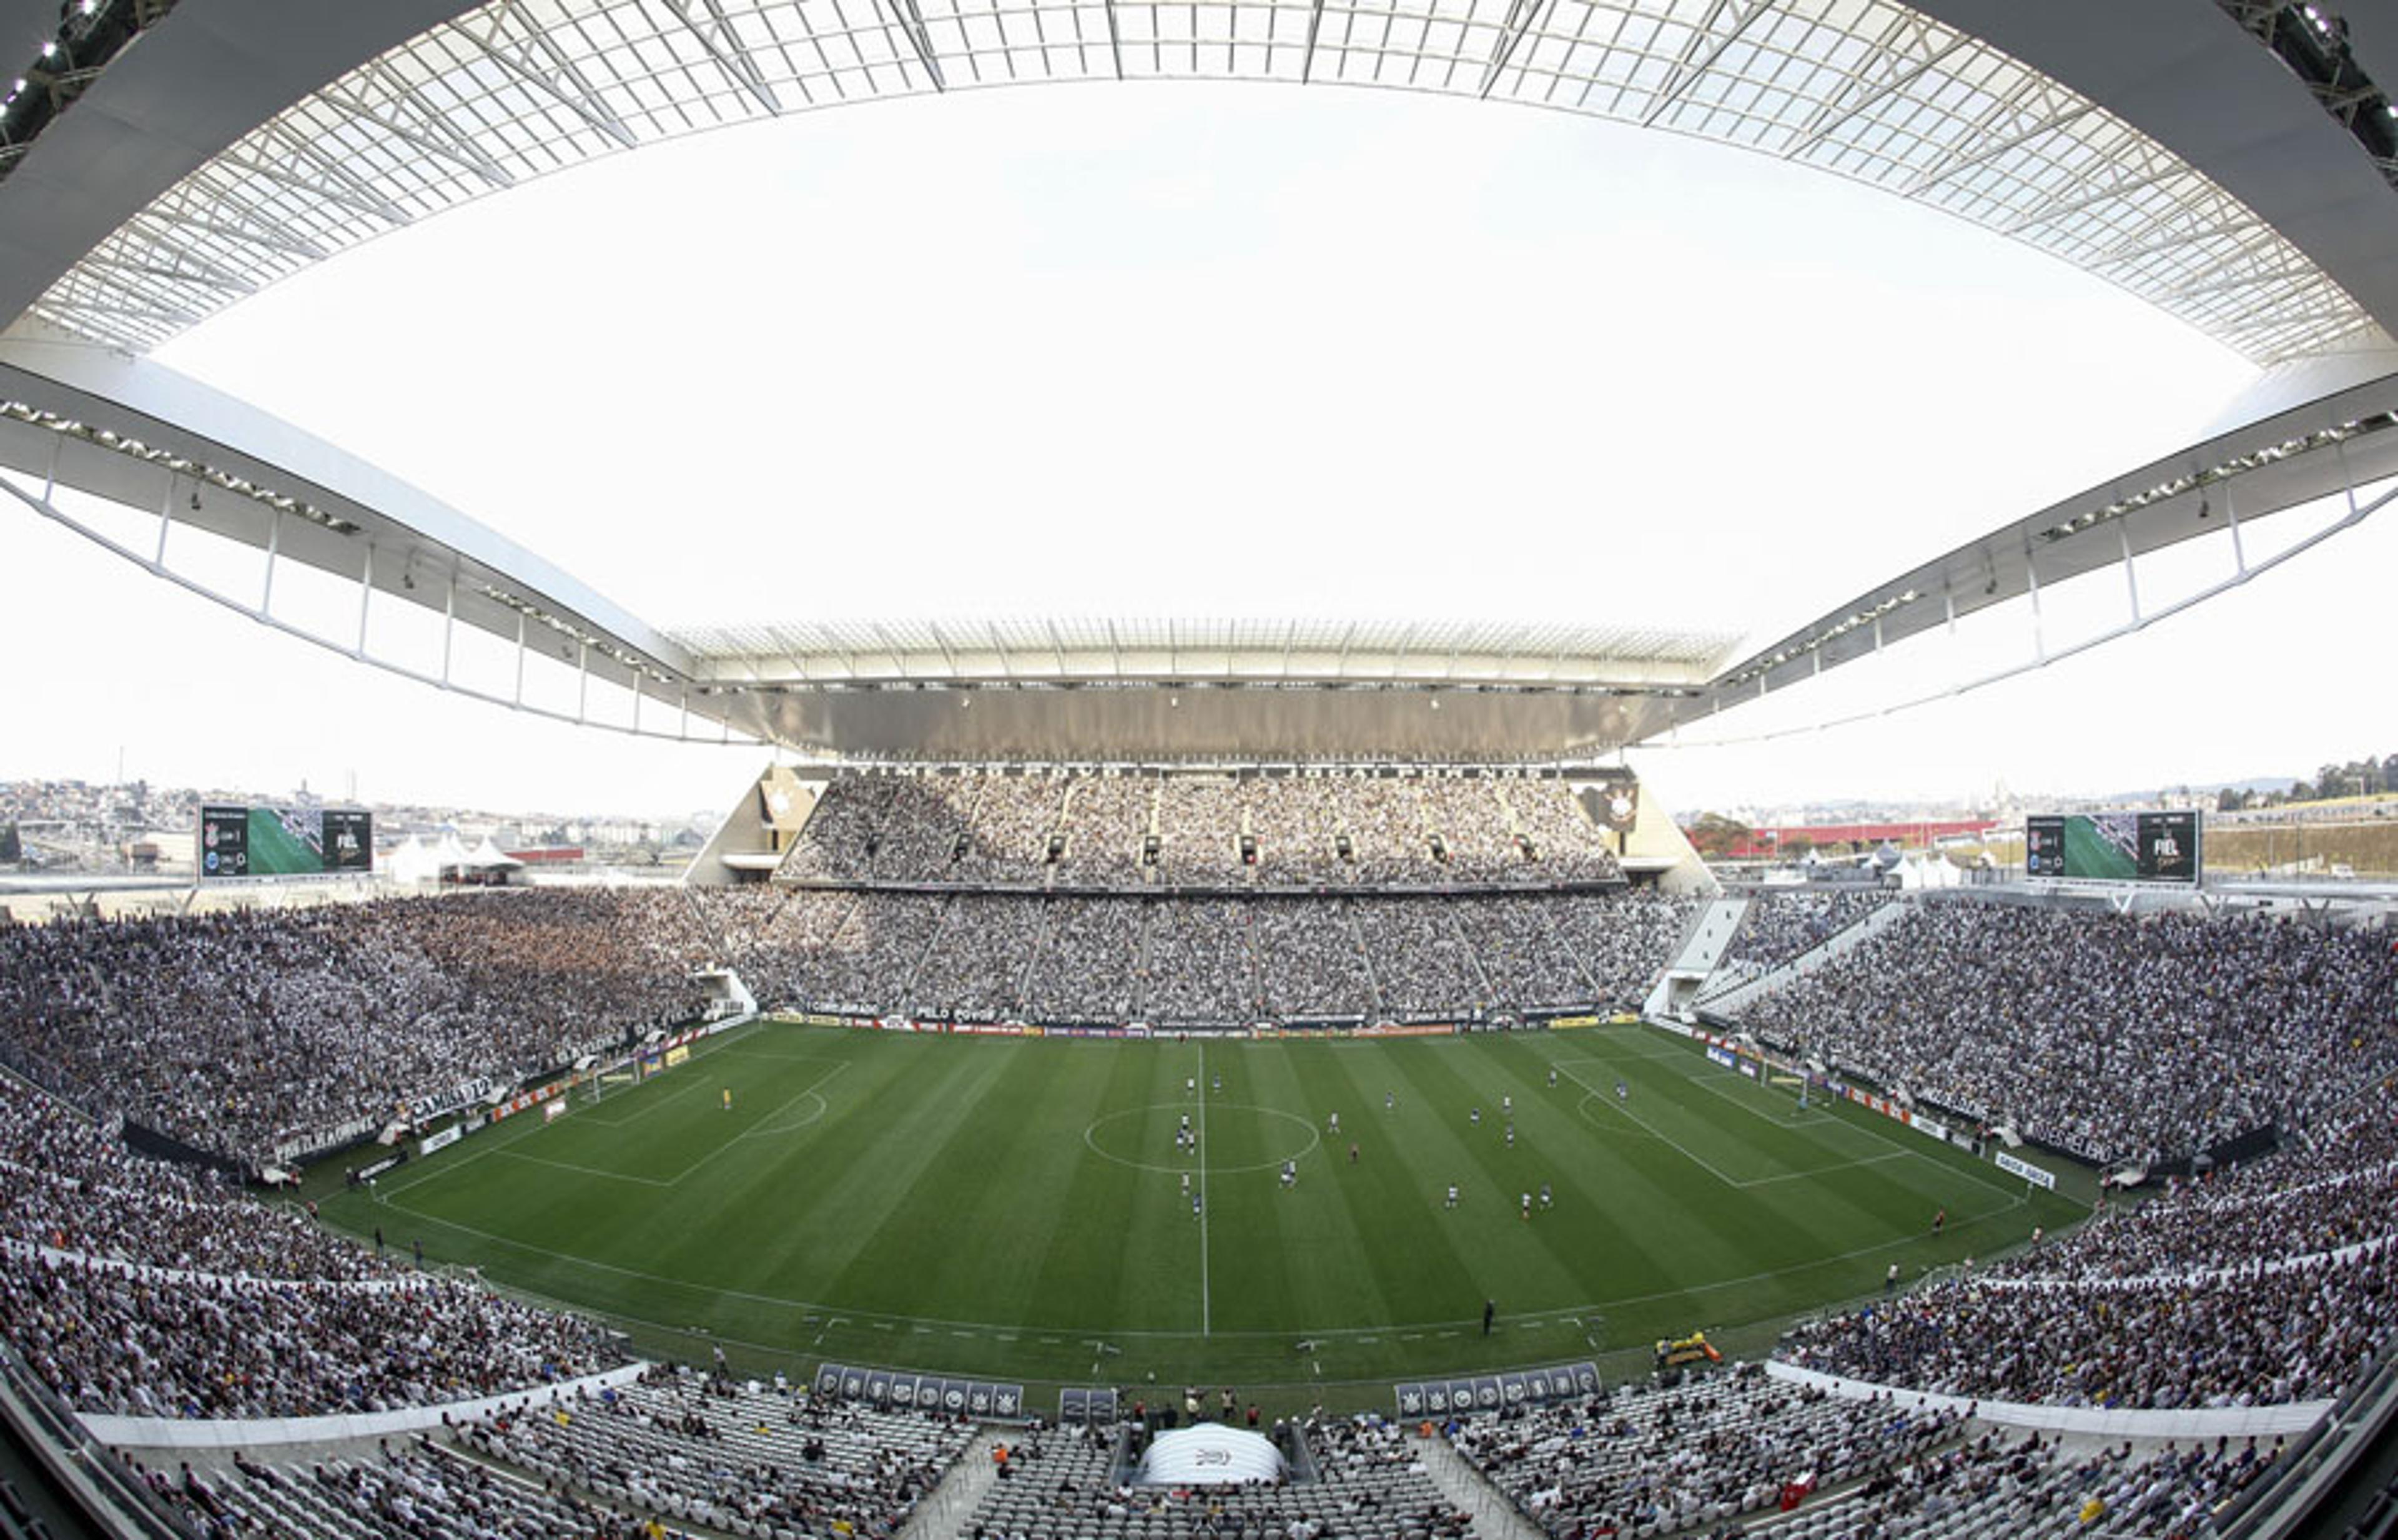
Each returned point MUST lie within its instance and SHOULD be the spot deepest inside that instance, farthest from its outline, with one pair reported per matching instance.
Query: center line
(1204, 1311)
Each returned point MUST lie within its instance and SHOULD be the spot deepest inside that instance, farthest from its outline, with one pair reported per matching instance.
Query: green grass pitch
(1005, 1207)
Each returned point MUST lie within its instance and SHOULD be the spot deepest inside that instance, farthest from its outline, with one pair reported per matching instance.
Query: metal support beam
(1687, 69)
(433, 134)
(1523, 16)
(2131, 572)
(724, 47)
(920, 37)
(569, 89)
(2031, 578)
(273, 546)
(2049, 213)
(365, 597)
(449, 622)
(1847, 104)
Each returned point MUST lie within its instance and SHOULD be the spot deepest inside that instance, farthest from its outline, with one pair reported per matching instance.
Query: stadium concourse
(2136, 1376)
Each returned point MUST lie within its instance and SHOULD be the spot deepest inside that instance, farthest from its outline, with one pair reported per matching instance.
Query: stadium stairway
(948, 1507)
(1494, 1517)
(1697, 956)
(1730, 1001)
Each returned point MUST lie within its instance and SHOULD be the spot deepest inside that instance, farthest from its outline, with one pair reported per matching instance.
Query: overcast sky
(1218, 350)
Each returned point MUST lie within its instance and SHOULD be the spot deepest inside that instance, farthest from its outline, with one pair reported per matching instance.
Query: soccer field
(1022, 1209)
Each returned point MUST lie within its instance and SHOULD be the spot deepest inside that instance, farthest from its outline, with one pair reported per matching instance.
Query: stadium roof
(2156, 144)
(2224, 162)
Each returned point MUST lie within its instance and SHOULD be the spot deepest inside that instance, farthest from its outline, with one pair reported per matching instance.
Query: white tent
(411, 863)
(1211, 1455)
(488, 856)
(1930, 868)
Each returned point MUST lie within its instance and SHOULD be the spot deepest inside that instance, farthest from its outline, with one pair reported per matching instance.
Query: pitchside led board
(2113, 848)
(283, 842)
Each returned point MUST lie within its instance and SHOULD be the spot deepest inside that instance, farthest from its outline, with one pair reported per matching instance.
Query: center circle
(1117, 1136)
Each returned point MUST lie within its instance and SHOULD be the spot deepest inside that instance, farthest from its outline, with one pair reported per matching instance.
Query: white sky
(1214, 350)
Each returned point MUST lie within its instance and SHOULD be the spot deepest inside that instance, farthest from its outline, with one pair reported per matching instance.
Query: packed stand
(244, 1032)
(728, 1454)
(2272, 1284)
(143, 1289)
(1200, 965)
(2331, 1190)
(2109, 1036)
(1200, 820)
(143, 1342)
(1622, 940)
(1308, 962)
(2299, 1333)
(1781, 925)
(1420, 964)
(1193, 960)
(974, 967)
(1337, 829)
(67, 1187)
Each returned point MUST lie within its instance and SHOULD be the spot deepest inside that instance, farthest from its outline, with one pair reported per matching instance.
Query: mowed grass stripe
(997, 1206)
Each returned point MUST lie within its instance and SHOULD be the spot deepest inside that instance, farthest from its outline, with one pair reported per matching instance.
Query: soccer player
(1623, 1091)
(728, 1099)
(1476, 1118)
(1352, 1160)
(1528, 1207)
(1940, 1222)
(1390, 1102)
(1511, 1136)
(1553, 1077)
(1290, 1174)
(1453, 1197)
(1507, 1105)
(1547, 1201)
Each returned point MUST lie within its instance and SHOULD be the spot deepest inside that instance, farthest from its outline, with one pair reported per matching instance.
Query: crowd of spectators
(67, 1186)
(246, 1031)
(1704, 1455)
(1085, 830)
(2333, 1188)
(2031, 1487)
(1782, 925)
(2296, 1333)
(2109, 1036)
(2274, 1283)
(1650, 1459)
(1077, 957)
(145, 1289)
